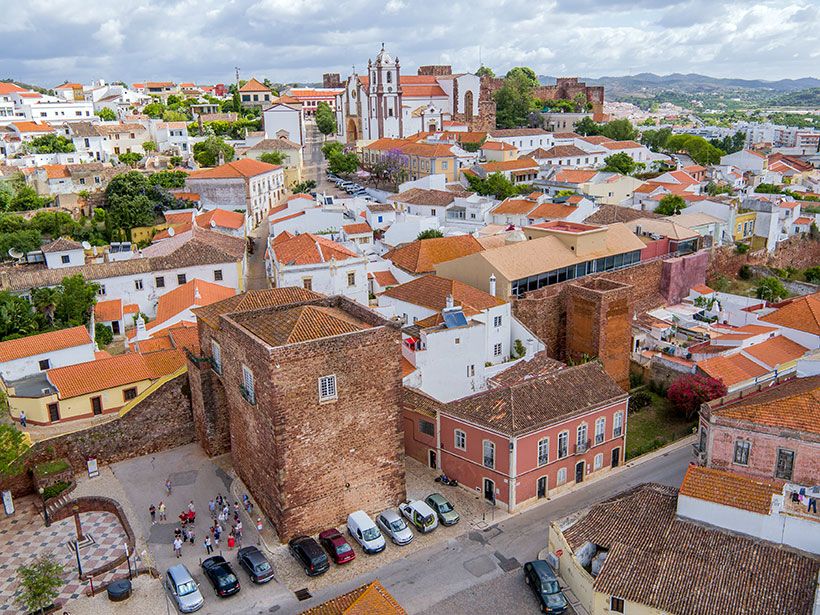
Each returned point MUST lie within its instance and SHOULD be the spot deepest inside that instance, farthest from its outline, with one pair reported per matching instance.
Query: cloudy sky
(47, 42)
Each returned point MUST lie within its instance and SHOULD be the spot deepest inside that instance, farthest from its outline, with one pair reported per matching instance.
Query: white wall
(279, 118)
(327, 280)
(54, 260)
(28, 366)
(313, 220)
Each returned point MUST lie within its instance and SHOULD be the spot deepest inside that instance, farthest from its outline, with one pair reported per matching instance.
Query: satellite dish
(86, 245)
(213, 223)
(171, 231)
(15, 253)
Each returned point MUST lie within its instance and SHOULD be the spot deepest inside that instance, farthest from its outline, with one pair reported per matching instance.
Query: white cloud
(298, 40)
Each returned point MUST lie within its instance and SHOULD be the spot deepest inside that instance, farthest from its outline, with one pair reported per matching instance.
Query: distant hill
(691, 82)
(802, 98)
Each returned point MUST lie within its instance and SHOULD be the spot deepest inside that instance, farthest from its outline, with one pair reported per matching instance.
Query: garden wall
(798, 252)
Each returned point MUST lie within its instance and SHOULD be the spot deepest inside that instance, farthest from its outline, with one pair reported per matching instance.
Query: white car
(418, 513)
(362, 529)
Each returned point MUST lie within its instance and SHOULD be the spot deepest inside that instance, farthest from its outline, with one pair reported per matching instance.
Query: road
(479, 571)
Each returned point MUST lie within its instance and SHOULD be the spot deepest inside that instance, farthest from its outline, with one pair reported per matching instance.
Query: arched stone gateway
(352, 131)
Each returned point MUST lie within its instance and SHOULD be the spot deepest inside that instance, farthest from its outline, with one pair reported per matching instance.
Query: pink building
(772, 431)
(543, 427)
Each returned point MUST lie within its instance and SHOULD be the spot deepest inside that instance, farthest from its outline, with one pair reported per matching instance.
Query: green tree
(303, 187)
(331, 147)
(656, 139)
(771, 289)
(620, 163)
(174, 116)
(168, 179)
(106, 114)
(812, 274)
(514, 100)
(154, 110)
(126, 214)
(485, 71)
(130, 158)
(40, 583)
(76, 301)
(587, 127)
(619, 130)
(345, 163)
(50, 144)
(495, 184)
(430, 233)
(206, 153)
(45, 301)
(54, 223)
(103, 335)
(325, 119)
(12, 445)
(274, 157)
(16, 317)
(149, 146)
(175, 161)
(698, 148)
(26, 198)
(670, 205)
(24, 241)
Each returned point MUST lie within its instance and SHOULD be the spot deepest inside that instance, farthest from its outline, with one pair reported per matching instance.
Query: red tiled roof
(357, 229)
(108, 311)
(802, 314)
(500, 146)
(574, 176)
(702, 289)
(621, 144)
(515, 207)
(730, 489)
(510, 165)
(195, 293)
(244, 167)
(431, 291)
(222, 218)
(383, 278)
(776, 351)
(7, 87)
(308, 249)
(732, 369)
(43, 343)
(254, 86)
(553, 211)
(421, 256)
(33, 126)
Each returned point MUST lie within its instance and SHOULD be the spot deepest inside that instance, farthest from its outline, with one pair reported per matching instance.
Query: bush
(771, 289)
(741, 248)
(813, 274)
(745, 272)
(55, 489)
(639, 400)
(103, 335)
(635, 380)
(431, 233)
(688, 393)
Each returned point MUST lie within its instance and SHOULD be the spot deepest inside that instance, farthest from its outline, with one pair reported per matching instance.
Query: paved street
(468, 574)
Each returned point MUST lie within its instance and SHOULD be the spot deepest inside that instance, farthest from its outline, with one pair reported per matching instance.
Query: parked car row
(370, 535)
(352, 188)
(185, 592)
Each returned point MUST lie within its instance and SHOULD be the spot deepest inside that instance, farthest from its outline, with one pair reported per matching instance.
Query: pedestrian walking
(168, 486)
(812, 507)
(177, 547)
(238, 529)
(212, 508)
(236, 508)
(22, 418)
(217, 535)
(161, 509)
(231, 541)
(259, 528)
(208, 548)
(177, 533)
(191, 506)
(153, 510)
(191, 535)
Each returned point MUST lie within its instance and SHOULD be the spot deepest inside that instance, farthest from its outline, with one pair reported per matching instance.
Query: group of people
(223, 516)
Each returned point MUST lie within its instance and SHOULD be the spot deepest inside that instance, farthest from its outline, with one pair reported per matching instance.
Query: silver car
(183, 589)
(392, 524)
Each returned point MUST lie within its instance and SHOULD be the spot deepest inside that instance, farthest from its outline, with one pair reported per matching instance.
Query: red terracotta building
(543, 427)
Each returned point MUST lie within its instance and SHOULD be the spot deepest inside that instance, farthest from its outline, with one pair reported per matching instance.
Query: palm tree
(45, 302)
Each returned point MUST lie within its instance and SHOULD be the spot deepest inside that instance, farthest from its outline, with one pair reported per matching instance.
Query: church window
(389, 77)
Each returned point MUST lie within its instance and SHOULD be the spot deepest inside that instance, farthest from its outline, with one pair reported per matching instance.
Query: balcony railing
(581, 447)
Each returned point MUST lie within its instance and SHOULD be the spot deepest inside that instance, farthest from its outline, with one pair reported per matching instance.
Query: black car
(308, 552)
(255, 564)
(221, 576)
(544, 584)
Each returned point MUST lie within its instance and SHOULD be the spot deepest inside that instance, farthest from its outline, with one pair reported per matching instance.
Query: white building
(31, 355)
(525, 140)
(385, 103)
(745, 160)
(246, 183)
(455, 336)
(318, 264)
(284, 121)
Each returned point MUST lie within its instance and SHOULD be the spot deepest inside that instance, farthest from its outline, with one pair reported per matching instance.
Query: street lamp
(45, 508)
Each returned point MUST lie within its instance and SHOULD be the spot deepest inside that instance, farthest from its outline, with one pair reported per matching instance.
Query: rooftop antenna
(236, 68)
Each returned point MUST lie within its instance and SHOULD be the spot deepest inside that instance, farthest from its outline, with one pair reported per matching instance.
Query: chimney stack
(449, 301)
(492, 284)
(221, 160)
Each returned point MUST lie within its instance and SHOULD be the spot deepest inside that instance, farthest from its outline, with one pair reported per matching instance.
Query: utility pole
(236, 68)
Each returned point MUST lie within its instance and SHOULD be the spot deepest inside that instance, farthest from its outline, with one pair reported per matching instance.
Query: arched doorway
(468, 105)
(352, 131)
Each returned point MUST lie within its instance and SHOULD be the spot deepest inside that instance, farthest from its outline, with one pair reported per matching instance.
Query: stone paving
(24, 537)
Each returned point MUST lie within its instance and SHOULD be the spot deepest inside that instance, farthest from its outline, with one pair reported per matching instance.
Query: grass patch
(655, 426)
(55, 489)
(51, 467)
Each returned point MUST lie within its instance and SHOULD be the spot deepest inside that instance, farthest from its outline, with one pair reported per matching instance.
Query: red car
(337, 547)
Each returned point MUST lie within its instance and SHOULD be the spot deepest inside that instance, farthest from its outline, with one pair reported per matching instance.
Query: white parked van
(362, 529)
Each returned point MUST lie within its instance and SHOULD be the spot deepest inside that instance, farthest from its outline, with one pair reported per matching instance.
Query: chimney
(449, 301)
(140, 327)
(221, 160)
(492, 284)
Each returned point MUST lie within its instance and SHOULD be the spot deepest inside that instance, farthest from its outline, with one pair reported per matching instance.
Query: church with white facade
(385, 103)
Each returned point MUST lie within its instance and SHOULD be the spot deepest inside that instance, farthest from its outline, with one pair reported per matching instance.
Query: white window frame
(248, 384)
(484, 444)
(618, 425)
(600, 430)
(328, 390)
(561, 476)
(565, 436)
(216, 356)
(497, 320)
(498, 349)
(543, 447)
(746, 444)
(581, 441)
(470, 371)
(460, 435)
(138, 284)
(598, 462)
